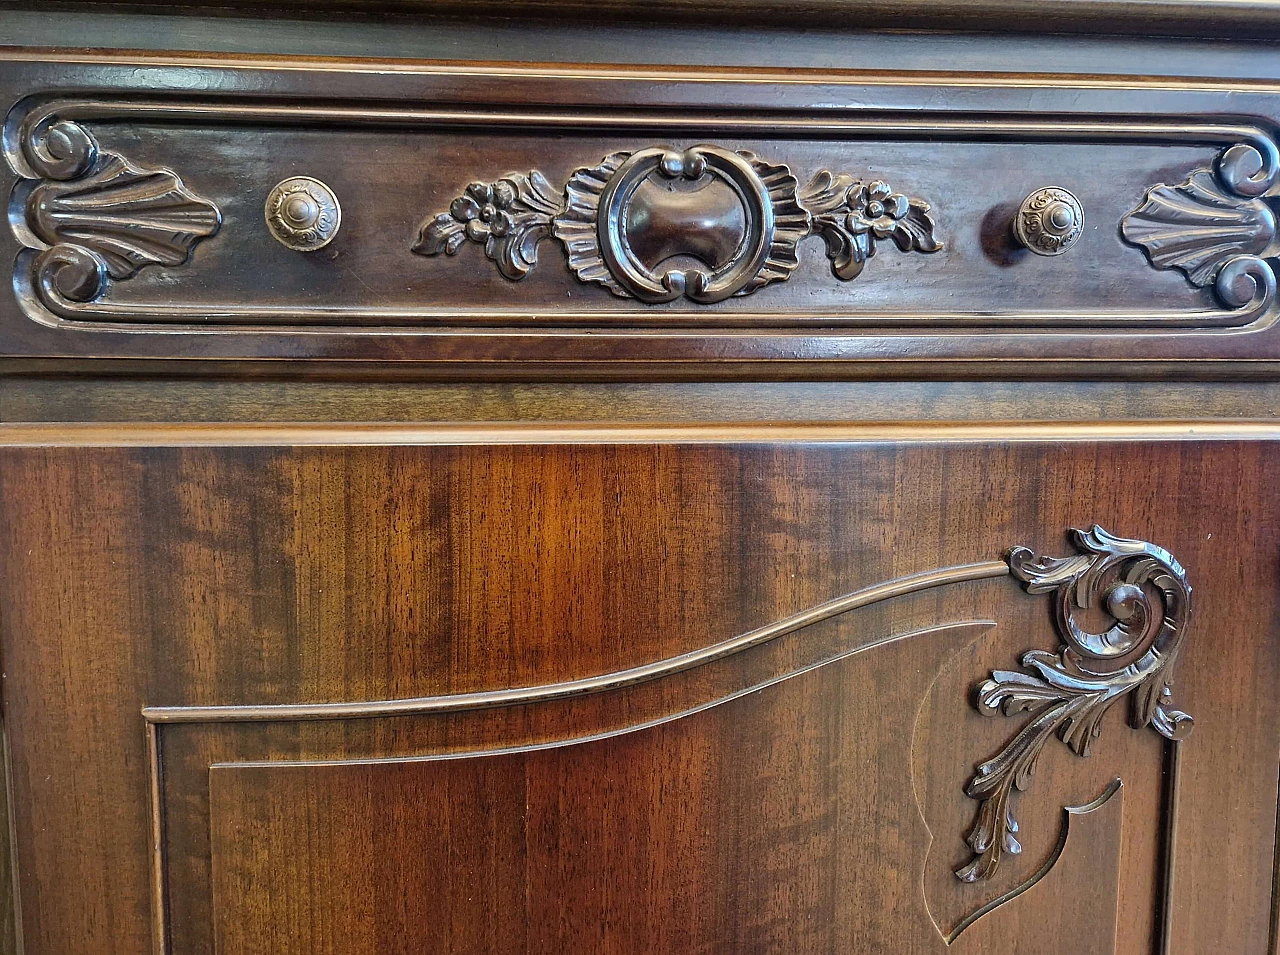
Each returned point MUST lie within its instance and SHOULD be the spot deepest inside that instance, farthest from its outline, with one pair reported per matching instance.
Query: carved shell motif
(576, 225)
(1197, 226)
(129, 216)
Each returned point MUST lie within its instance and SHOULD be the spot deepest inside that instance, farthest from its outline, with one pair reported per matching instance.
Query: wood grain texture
(1057, 914)
(215, 575)
(528, 852)
(235, 559)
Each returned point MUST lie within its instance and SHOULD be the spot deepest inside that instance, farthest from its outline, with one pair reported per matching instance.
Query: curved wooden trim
(517, 696)
(977, 626)
(1067, 812)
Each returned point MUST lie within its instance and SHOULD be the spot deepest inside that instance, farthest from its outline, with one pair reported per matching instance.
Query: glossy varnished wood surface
(1247, 18)
(165, 576)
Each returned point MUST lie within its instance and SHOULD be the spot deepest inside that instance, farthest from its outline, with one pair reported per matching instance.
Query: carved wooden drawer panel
(169, 207)
(641, 690)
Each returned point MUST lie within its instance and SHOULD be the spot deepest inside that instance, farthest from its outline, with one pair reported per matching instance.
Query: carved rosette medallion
(1144, 592)
(97, 216)
(1217, 228)
(660, 224)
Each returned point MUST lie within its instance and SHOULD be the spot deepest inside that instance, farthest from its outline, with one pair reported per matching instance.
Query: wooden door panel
(283, 670)
(721, 830)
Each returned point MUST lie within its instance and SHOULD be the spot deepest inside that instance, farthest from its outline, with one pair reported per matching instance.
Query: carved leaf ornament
(1145, 594)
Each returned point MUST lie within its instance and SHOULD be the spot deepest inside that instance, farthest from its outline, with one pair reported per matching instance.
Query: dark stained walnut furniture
(640, 479)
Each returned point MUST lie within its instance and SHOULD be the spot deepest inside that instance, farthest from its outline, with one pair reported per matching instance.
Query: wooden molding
(1252, 19)
(148, 434)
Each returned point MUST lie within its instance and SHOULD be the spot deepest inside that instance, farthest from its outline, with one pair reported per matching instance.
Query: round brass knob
(1049, 221)
(303, 214)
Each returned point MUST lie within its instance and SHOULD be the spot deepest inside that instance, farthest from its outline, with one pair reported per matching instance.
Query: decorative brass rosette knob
(1049, 221)
(303, 214)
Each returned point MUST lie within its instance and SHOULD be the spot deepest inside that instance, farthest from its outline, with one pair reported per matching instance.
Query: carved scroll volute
(98, 216)
(1145, 593)
(660, 224)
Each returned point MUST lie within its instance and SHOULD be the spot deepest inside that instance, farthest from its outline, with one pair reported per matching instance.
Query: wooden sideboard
(640, 480)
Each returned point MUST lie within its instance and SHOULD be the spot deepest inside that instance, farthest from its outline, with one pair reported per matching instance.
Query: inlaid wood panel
(805, 792)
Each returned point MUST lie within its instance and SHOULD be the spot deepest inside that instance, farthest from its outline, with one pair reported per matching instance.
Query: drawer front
(587, 217)
(725, 690)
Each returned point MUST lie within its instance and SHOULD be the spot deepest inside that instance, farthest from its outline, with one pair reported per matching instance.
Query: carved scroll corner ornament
(94, 215)
(705, 223)
(1145, 592)
(1217, 227)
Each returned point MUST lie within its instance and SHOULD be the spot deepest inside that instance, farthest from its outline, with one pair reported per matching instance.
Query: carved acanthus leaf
(1146, 594)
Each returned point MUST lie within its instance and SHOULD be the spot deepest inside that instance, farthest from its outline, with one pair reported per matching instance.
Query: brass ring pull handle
(1049, 221)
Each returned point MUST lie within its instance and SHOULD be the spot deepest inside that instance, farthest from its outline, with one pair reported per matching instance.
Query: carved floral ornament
(625, 221)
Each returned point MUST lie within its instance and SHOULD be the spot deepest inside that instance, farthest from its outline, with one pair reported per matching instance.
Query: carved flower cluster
(851, 216)
(483, 210)
(875, 208)
(508, 217)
